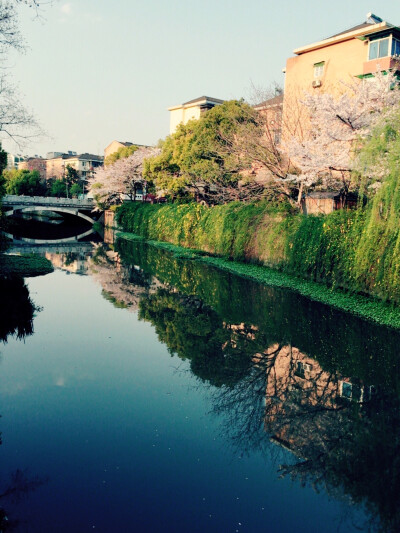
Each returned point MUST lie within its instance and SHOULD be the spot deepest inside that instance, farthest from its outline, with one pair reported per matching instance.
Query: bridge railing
(14, 199)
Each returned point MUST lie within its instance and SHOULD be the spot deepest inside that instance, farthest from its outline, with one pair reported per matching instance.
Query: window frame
(395, 40)
(319, 69)
(389, 39)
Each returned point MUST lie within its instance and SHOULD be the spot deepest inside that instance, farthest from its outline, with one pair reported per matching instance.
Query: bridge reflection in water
(33, 245)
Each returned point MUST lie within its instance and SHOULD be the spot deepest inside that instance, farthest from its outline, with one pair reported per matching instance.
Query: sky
(99, 70)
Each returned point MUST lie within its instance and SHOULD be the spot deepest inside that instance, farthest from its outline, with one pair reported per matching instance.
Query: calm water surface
(147, 393)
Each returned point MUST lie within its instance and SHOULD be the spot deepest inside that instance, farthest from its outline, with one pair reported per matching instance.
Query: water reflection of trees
(18, 486)
(318, 382)
(16, 319)
(123, 285)
(16, 310)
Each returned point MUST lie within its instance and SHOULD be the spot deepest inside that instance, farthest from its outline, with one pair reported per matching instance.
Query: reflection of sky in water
(96, 403)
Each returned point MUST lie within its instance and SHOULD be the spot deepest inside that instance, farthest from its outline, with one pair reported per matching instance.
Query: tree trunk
(300, 196)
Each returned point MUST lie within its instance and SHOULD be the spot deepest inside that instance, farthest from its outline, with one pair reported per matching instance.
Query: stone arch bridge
(82, 208)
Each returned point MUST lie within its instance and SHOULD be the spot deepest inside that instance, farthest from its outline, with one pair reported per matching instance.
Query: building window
(395, 47)
(302, 369)
(319, 69)
(379, 48)
(355, 392)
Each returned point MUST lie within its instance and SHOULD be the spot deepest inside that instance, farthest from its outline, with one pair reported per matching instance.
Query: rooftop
(201, 100)
(271, 102)
(204, 99)
(372, 24)
(90, 157)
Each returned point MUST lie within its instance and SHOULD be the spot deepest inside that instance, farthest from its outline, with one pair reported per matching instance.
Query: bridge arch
(54, 208)
(32, 244)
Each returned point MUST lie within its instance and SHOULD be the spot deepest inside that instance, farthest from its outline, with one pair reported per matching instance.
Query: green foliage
(24, 182)
(58, 188)
(194, 331)
(24, 265)
(3, 160)
(356, 250)
(2, 186)
(356, 304)
(199, 153)
(377, 256)
(71, 176)
(378, 156)
(340, 341)
(76, 189)
(229, 230)
(121, 153)
(17, 309)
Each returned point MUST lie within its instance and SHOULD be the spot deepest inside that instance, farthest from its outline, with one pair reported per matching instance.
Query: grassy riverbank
(363, 306)
(358, 250)
(24, 265)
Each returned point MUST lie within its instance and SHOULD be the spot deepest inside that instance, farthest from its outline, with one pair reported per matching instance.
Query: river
(142, 392)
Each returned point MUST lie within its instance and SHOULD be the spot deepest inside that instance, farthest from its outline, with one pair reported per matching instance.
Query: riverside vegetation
(353, 250)
(357, 251)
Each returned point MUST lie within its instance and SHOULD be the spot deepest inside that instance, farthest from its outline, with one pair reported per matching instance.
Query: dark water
(49, 226)
(155, 394)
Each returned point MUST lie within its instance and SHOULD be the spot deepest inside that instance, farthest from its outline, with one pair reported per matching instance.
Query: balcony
(381, 63)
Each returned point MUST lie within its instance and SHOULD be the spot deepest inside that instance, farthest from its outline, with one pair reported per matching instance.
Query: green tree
(196, 160)
(2, 186)
(121, 153)
(71, 178)
(24, 182)
(58, 188)
(76, 189)
(3, 159)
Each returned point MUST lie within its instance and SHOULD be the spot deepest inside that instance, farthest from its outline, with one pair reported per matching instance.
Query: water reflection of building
(73, 262)
(303, 402)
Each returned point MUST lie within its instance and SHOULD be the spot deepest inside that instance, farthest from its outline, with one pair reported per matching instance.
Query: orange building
(359, 51)
(354, 53)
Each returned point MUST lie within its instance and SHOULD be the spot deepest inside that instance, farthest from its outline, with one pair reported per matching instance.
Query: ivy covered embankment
(355, 250)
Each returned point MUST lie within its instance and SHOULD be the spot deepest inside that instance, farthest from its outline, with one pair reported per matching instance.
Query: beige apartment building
(84, 164)
(181, 114)
(114, 146)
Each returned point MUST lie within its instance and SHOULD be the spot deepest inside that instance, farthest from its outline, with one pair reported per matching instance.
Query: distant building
(84, 164)
(272, 110)
(55, 167)
(34, 163)
(52, 155)
(13, 161)
(181, 114)
(114, 146)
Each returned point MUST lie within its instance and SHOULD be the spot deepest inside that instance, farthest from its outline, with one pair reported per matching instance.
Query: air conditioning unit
(316, 83)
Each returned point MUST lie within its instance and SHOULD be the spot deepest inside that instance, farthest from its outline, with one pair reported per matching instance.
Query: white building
(181, 114)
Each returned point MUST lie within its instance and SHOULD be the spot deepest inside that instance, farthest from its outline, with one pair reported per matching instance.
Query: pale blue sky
(100, 70)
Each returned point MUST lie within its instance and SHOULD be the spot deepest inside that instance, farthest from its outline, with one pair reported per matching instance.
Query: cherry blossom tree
(122, 180)
(337, 124)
